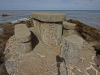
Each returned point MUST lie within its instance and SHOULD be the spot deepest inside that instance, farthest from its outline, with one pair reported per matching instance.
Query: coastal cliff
(46, 51)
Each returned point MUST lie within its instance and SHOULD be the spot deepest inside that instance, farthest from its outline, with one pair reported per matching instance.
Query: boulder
(3, 15)
(7, 31)
(71, 47)
(83, 28)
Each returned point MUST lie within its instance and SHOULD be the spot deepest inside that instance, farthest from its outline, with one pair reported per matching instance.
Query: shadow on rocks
(60, 60)
(2, 61)
(34, 40)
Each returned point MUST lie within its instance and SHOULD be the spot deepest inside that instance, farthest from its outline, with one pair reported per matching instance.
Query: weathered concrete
(48, 26)
(68, 28)
(22, 33)
(14, 52)
(68, 32)
(68, 25)
(48, 33)
(49, 16)
(70, 50)
(23, 36)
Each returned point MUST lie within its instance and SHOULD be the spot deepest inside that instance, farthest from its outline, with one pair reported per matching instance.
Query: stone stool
(23, 36)
(68, 28)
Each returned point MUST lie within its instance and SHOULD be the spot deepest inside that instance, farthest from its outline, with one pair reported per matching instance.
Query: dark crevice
(34, 40)
(60, 22)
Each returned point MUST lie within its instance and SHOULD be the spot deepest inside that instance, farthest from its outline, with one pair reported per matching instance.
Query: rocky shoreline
(91, 35)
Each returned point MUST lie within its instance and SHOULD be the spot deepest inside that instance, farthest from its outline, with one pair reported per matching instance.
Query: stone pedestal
(48, 27)
(70, 50)
(68, 28)
(16, 47)
(23, 36)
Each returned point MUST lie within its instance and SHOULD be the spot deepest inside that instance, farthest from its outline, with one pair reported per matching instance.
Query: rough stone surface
(83, 28)
(22, 33)
(40, 61)
(71, 46)
(48, 33)
(49, 16)
(13, 53)
(91, 71)
(68, 25)
(68, 32)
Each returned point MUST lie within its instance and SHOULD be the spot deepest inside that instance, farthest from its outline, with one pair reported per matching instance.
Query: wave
(18, 20)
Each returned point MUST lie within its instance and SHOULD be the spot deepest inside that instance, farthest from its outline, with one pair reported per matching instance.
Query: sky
(49, 4)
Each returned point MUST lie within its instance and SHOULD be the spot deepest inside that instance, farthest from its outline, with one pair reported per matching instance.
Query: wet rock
(7, 31)
(83, 28)
(4, 15)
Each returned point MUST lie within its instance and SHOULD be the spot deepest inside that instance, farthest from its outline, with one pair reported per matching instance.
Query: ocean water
(89, 17)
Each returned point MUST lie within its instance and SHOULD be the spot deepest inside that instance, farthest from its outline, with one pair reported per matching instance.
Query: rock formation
(71, 47)
(4, 15)
(68, 28)
(37, 52)
(21, 44)
(48, 26)
(87, 32)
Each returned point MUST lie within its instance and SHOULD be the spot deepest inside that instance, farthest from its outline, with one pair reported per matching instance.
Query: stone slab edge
(49, 16)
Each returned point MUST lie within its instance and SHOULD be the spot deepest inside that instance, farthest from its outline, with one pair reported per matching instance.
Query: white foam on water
(17, 21)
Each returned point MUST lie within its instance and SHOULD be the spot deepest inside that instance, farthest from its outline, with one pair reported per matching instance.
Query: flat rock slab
(68, 25)
(49, 16)
(22, 33)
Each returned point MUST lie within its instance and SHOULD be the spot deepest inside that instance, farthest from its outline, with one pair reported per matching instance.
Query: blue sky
(49, 4)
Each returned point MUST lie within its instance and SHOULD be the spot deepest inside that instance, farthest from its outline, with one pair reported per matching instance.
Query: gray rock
(68, 32)
(70, 49)
(10, 66)
(68, 25)
(48, 33)
(49, 16)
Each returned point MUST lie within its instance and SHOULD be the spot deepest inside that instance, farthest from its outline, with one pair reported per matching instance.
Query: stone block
(68, 32)
(48, 33)
(49, 16)
(68, 25)
(22, 33)
(71, 47)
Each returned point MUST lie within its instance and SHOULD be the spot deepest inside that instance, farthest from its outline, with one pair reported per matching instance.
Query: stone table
(48, 26)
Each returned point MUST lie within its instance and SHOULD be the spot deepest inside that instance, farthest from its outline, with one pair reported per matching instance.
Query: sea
(89, 17)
